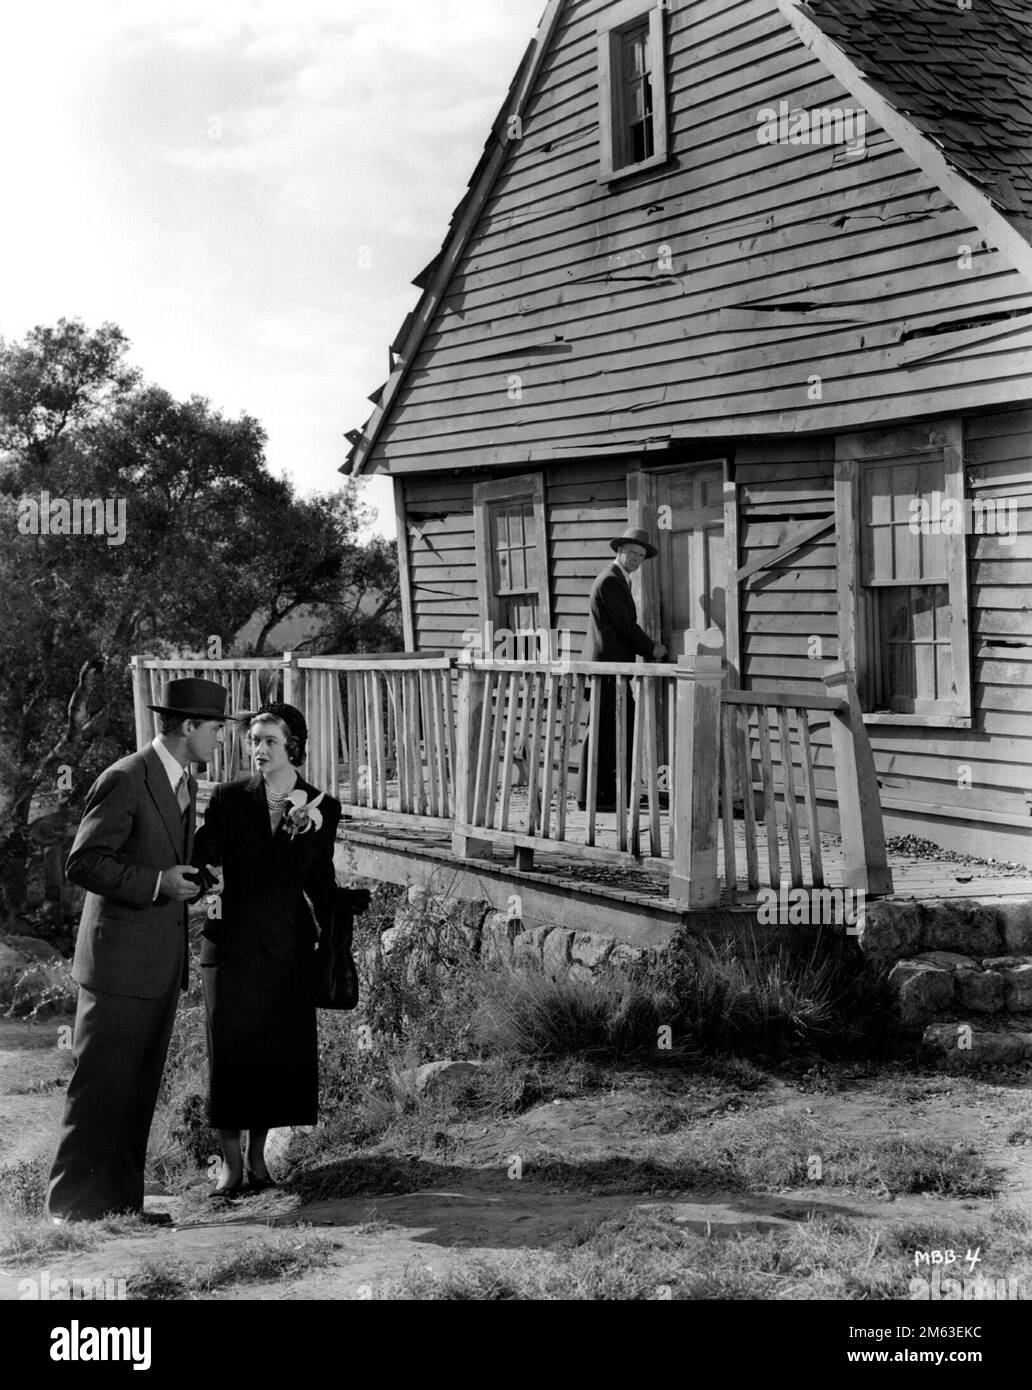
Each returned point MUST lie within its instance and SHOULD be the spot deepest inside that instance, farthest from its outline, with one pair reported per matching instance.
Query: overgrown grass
(704, 998)
(259, 1260)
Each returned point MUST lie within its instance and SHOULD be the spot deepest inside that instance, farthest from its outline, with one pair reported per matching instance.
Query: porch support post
(465, 844)
(864, 861)
(140, 710)
(292, 678)
(700, 674)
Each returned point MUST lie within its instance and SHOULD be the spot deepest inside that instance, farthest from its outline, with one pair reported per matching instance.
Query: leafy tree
(211, 538)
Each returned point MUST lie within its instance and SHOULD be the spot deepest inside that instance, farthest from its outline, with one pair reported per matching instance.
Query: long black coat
(613, 631)
(257, 958)
(613, 635)
(267, 876)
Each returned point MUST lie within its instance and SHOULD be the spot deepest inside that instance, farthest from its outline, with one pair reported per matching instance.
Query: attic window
(632, 89)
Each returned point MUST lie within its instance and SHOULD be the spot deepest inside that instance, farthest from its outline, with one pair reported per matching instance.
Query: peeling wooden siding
(585, 506)
(562, 284)
(980, 778)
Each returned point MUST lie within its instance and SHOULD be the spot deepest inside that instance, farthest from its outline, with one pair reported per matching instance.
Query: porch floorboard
(926, 877)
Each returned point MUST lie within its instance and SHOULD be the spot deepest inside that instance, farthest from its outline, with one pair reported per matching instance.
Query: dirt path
(473, 1206)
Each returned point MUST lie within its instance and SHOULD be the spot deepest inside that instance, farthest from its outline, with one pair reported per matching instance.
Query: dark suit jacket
(613, 631)
(132, 827)
(266, 877)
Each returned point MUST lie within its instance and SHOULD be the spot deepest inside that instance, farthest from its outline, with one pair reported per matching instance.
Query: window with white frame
(903, 573)
(512, 566)
(632, 88)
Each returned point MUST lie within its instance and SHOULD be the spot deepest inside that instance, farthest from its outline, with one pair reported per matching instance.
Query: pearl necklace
(276, 800)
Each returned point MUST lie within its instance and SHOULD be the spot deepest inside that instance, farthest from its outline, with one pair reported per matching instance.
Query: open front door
(686, 585)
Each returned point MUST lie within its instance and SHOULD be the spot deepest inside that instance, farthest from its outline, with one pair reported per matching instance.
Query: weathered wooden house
(756, 275)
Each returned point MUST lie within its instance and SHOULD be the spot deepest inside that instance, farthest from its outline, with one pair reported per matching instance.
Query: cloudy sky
(246, 187)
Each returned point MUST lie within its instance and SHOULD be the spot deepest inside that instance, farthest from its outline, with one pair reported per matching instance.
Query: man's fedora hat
(635, 535)
(193, 699)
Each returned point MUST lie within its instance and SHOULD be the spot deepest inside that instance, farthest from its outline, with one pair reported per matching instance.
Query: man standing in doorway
(614, 635)
(132, 855)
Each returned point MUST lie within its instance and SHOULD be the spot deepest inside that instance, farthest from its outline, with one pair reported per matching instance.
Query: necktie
(183, 796)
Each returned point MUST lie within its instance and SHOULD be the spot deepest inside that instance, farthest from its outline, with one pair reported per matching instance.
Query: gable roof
(962, 77)
(953, 88)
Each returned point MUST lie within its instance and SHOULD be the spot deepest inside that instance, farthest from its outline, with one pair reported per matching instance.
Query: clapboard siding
(985, 770)
(788, 611)
(585, 506)
(636, 350)
(442, 575)
(995, 755)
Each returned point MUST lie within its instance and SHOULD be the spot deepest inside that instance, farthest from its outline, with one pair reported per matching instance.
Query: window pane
(635, 88)
(901, 544)
(914, 658)
(514, 529)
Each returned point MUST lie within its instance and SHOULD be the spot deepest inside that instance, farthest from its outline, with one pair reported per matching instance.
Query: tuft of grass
(23, 1187)
(32, 1240)
(755, 998)
(762, 997)
(259, 1260)
(522, 1011)
(929, 1165)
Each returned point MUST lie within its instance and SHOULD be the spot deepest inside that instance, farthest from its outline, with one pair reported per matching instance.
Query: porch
(457, 772)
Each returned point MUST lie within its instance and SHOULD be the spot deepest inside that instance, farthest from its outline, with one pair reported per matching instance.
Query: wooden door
(691, 568)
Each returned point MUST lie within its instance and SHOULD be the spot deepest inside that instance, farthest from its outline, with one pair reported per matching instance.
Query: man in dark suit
(614, 635)
(132, 855)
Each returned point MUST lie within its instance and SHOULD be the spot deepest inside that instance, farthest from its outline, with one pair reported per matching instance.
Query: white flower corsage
(303, 814)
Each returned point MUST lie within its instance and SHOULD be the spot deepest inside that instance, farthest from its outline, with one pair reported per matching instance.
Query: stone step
(964, 1043)
(897, 929)
(934, 983)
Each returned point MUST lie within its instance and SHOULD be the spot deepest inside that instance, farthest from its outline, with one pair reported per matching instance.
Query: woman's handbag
(335, 983)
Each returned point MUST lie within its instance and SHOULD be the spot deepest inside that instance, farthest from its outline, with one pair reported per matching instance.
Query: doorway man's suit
(130, 963)
(613, 635)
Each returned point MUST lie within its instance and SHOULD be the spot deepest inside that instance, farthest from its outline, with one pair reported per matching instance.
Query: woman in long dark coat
(277, 864)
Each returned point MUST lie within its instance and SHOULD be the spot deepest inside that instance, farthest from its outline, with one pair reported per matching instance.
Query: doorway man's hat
(193, 699)
(635, 535)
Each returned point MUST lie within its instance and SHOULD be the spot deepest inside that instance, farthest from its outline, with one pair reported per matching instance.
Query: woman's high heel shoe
(224, 1194)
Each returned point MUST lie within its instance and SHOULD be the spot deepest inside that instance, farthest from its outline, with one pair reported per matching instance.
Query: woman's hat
(193, 699)
(293, 718)
(635, 535)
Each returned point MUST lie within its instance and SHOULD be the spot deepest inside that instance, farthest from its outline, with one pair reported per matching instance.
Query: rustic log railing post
(140, 710)
(465, 845)
(694, 810)
(864, 863)
(293, 681)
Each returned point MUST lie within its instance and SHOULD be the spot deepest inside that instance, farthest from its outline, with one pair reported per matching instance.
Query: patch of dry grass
(649, 1255)
(261, 1259)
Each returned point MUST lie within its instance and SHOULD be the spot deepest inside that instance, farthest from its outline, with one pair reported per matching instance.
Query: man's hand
(179, 883)
(659, 651)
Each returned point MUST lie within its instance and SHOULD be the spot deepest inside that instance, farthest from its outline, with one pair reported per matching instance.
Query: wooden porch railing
(484, 749)
(528, 719)
(382, 732)
(251, 682)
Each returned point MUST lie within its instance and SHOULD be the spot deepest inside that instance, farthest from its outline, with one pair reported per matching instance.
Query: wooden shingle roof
(963, 77)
